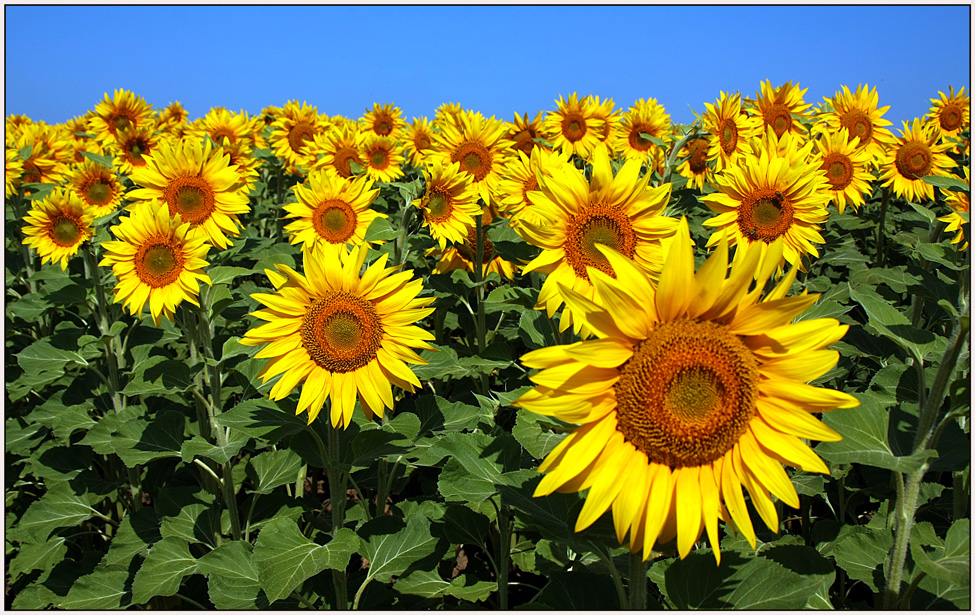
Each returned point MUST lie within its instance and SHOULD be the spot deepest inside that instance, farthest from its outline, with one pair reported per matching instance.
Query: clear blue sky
(61, 60)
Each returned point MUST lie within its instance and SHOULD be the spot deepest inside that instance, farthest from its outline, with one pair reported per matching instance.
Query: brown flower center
(636, 141)
(764, 215)
(839, 170)
(98, 192)
(334, 221)
(699, 155)
(190, 197)
(474, 158)
(341, 331)
(343, 161)
(913, 160)
(779, 118)
(65, 231)
(598, 224)
(951, 117)
(299, 135)
(573, 126)
(728, 136)
(858, 124)
(524, 140)
(438, 206)
(159, 262)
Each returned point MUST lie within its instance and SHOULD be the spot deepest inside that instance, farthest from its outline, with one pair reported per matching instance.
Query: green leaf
(285, 558)
(136, 533)
(535, 329)
(273, 469)
(188, 513)
(439, 415)
(381, 230)
(262, 418)
(465, 526)
(947, 183)
(102, 590)
(474, 465)
(134, 439)
(578, 590)
(159, 375)
(42, 356)
(391, 545)
(226, 275)
(59, 507)
(429, 584)
(37, 556)
(19, 435)
(62, 416)
(951, 560)
(232, 577)
(861, 552)
(168, 562)
(890, 323)
(508, 298)
(105, 161)
(538, 434)
(199, 447)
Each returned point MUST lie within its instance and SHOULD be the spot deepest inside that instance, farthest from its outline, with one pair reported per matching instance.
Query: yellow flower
(729, 130)
(463, 255)
(14, 168)
(691, 390)
(573, 127)
(449, 204)
(478, 146)
(605, 111)
(959, 203)
(156, 260)
(917, 153)
(523, 132)
(384, 121)
(98, 187)
(952, 113)
(292, 133)
(57, 226)
(647, 117)
(695, 167)
(343, 334)
(781, 108)
(331, 211)
(382, 157)
(198, 183)
(844, 163)
(337, 149)
(133, 145)
(419, 139)
(859, 114)
(124, 110)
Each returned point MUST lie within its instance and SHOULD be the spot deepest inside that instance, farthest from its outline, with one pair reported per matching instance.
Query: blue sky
(61, 60)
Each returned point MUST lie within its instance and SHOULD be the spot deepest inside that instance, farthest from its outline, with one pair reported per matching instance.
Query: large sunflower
(692, 389)
(382, 157)
(478, 145)
(331, 211)
(573, 126)
(449, 204)
(98, 187)
(729, 130)
(344, 334)
(575, 216)
(644, 117)
(844, 163)
(156, 260)
(124, 110)
(952, 113)
(519, 177)
(918, 152)
(776, 191)
(57, 225)
(781, 108)
(859, 114)
(198, 183)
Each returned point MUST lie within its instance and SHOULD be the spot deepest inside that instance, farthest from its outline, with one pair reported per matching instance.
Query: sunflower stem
(337, 478)
(673, 155)
(879, 259)
(504, 554)
(638, 582)
(614, 573)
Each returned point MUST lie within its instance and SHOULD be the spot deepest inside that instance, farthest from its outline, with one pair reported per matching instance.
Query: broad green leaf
(262, 418)
(381, 230)
(950, 560)
(189, 513)
(535, 329)
(136, 533)
(508, 298)
(429, 584)
(138, 441)
(891, 323)
(159, 375)
(391, 546)
(273, 469)
(102, 590)
(20, 437)
(538, 434)
(62, 416)
(105, 161)
(947, 183)
(474, 465)
(465, 526)
(232, 577)
(59, 507)
(285, 558)
(42, 356)
(37, 556)
(439, 415)
(161, 574)
(578, 590)
(226, 275)
(199, 447)
(861, 552)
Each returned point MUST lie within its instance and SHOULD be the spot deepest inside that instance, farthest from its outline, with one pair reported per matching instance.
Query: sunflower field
(591, 359)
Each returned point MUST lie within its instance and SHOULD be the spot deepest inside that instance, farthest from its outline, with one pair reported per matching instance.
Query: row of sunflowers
(657, 312)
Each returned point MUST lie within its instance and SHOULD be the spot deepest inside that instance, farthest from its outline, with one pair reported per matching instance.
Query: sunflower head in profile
(419, 140)
(951, 113)
(449, 204)
(844, 163)
(198, 183)
(863, 119)
(918, 152)
(293, 132)
(156, 260)
(384, 121)
(782, 108)
(576, 216)
(695, 164)
(382, 157)
(692, 389)
(729, 130)
(336, 149)
(523, 132)
(331, 211)
(57, 225)
(344, 334)
(775, 191)
(573, 127)
(123, 111)
(645, 117)
(98, 187)
(447, 113)
(50, 153)
(478, 146)
(464, 255)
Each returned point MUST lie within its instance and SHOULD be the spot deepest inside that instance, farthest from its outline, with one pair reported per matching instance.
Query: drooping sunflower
(384, 121)
(292, 133)
(464, 255)
(775, 191)
(449, 204)
(859, 114)
(382, 157)
(729, 130)
(918, 152)
(331, 211)
(50, 153)
(951, 113)
(960, 203)
(573, 126)
(477, 144)
(577, 215)
(337, 149)
(523, 132)
(197, 182)
(342, 333)
(691, 390)
(157, 259)
(97, 186)
(782, 108)
(57, 225)
(844, 164)
(419, 140)
(695, 165)
(124, 110)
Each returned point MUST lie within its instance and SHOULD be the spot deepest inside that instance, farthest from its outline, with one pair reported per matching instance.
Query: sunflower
(447, 113)
(573, 126)
(419, 139)
(49, 154)
(382, 157)
(198, 183)
(522, 132)
(959, 203)
(859, 114)
(337, 149)
(918, 152)
(449, 204)
(646, 117)
(576, 215)
(242, 155)
(292, 133)
(13, 126)
(133, 147)
(98, 187)
(605, 111)
(729, 130)
(384, 121)
(14, 168)
(57, 225)
(478, 146)
(342, 333)
(173, 118)
(776, 191)
(331, 211)
(695, 165)
(122, 111)
(519, 178)
(952, 113)
(844, 164)
(223, 127)
(463, 255)
(781, 108)
(692, 389)
(157, 260)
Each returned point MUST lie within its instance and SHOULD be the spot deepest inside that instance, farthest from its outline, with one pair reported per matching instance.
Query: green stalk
(504, 555)
(337, 494)
(879, 259)
(638, 582)
(614, 573)
(673, 155)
